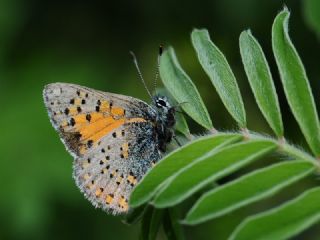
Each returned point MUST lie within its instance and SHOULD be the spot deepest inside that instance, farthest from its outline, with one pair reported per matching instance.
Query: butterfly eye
(160, 103)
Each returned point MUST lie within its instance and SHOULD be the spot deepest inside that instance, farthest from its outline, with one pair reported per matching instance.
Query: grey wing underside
(57, 96)
(108, 174)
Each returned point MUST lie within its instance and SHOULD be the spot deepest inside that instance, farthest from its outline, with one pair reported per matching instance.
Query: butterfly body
(114, 139)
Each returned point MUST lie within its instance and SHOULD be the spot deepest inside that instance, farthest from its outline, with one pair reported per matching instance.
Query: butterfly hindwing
(107, 175)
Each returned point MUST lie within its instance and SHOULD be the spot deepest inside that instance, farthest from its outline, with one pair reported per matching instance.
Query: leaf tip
(199, 30)
(248, 31)
(285, 9)
(245, 33)
(285, 13)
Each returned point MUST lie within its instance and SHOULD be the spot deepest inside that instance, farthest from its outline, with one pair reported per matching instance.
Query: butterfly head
(166, 112)
(161, 103)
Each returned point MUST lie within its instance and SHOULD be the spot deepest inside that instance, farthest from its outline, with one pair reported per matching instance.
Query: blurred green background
(88, 43)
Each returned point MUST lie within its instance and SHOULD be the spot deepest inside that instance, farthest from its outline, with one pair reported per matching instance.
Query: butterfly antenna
(139, 72)
(158, 67)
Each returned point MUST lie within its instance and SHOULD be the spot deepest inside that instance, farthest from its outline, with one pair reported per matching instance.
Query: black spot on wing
(72, 122)
(88, 117)
(89, 143)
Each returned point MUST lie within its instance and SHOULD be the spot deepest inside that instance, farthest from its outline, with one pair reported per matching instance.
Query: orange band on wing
(118, 112)
(116, 124)
(80, 119)
(102, 127)
(104, 131)
(95, 127)
(90, 127)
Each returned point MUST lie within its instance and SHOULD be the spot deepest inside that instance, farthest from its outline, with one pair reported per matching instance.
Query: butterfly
(114, 139)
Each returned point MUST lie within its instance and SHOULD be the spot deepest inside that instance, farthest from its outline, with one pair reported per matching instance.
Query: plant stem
(283, 145)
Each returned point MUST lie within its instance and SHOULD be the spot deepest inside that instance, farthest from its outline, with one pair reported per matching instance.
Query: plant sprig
(193, 167)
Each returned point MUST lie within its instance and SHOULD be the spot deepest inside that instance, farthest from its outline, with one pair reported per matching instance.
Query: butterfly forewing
(82, 115)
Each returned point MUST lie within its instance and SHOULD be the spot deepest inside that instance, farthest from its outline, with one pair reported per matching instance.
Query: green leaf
(183, 89)
(282, 222)
(217, 68)
(209, 168)
(250, 188)
(176, 161)
(260, 79)
(295, 82)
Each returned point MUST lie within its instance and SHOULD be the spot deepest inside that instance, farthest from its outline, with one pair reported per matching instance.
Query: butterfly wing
(111, 137)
